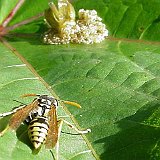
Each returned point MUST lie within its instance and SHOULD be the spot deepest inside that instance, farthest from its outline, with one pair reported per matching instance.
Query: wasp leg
(11, 112)
(60, 123)
(3, 132)
(52, 155)
(61, 117)
(76, 129)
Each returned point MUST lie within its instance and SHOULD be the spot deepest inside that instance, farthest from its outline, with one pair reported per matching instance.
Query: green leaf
(128, 19)
(5, 8)
(17, 79)
(29, 9)
(116, 82)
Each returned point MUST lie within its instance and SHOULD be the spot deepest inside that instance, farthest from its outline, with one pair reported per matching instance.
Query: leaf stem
(24, 22)
(12, 13)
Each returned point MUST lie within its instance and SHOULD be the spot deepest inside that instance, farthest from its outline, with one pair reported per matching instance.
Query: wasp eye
(55, 103)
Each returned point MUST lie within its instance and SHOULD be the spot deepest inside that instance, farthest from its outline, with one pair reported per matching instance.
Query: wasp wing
(52, 136)
(21, 114)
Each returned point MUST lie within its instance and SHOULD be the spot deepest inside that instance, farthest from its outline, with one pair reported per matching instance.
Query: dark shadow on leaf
(137, 140)
(4, 122)
(32, 38)
(157, 20)
(35, 38)
(22, 135)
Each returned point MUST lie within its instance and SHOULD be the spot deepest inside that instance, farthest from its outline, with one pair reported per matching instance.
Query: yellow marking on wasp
(37, 129)
(36, 133)
(38, 139)
(36, 124)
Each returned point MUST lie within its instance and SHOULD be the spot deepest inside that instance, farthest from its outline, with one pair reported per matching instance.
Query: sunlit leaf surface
(116, 82)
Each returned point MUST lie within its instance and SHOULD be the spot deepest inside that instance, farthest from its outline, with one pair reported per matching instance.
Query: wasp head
(47, 100)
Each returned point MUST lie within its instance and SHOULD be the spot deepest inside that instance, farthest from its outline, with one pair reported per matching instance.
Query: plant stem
(24, 22)
(12, 13)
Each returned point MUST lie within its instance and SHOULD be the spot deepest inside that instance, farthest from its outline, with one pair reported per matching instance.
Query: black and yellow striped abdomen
(38, 130)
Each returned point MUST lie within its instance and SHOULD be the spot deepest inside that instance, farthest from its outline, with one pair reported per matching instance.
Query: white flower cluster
(87, 29)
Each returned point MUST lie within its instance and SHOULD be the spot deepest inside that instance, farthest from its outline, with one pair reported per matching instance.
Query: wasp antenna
(72, 103)
(29, 95)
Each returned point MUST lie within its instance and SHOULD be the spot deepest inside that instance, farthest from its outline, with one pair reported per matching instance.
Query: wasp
(41, 117)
